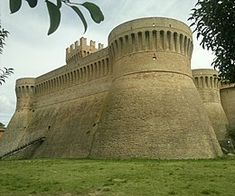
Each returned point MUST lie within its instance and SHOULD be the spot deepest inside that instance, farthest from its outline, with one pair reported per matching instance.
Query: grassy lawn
(133, 177)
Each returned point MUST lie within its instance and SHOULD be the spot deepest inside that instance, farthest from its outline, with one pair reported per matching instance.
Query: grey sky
(31, 52)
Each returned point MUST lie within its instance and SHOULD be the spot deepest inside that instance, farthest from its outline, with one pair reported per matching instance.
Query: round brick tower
(153, 109)
(207, 83)
(17, 126)
(24, 93)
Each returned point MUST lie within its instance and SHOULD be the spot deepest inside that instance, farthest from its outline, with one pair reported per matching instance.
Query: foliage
(214, 21)
(3, 35)
(5, 72)
(107, 178)
(54, 11)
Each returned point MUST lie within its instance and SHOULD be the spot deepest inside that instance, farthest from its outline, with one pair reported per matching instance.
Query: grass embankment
(136, 177)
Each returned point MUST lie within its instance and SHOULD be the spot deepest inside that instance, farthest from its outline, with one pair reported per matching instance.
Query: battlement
(25, 86)
(25, 91)
(80, 49)
(151, 34)
(206, 78)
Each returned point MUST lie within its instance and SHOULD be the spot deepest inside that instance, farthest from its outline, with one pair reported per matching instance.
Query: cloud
(7, 107)
(6, 104)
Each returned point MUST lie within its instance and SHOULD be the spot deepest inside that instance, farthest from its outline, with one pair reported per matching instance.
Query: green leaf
(59, 3)
(95, 12)
(54, 13)
(79, 13)
(15, 5)
(32, 3)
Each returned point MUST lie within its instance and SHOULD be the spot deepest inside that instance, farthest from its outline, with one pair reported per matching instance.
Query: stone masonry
(136, 98)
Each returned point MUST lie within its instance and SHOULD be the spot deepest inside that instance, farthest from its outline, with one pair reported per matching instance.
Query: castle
(136, 98)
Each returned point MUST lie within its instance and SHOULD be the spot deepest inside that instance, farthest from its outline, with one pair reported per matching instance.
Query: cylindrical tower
(19, 122)
(227, 93)
(207, 83)
(153, 109)
(25, 88)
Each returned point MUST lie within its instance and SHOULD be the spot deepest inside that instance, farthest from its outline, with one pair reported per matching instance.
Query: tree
(214, 22)
(3, 35)
(5, 72)
(54, 11)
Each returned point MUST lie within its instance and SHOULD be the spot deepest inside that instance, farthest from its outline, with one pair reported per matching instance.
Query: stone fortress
(136, 98)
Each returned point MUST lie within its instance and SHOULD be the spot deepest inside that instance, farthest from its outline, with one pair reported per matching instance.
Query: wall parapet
(25, 90)
(151, 34)
(206, 78)
(94, 66)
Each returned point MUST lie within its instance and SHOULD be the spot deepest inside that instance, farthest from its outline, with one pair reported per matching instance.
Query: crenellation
(79, 49)
(83, 42)
(72, 47)
(100, 46)
(92, 44)
(77, 45)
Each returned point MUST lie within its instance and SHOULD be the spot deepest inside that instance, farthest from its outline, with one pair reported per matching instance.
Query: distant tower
(80, 50)
(206, 81)
(16, 129)
(25, 89)
(153, 108)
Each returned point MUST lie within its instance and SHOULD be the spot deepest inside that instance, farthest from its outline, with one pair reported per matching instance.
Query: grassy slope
(137, 177)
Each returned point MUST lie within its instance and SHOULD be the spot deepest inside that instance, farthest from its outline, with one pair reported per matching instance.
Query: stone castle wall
(1, 132)
(208, 85)
(68, 98)
(227, 94)
(135, 98)
(152, 101)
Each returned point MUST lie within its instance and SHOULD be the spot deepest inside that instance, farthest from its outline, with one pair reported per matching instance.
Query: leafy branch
(214, 22)
(5, 72)
(3, 35)
(55, 14)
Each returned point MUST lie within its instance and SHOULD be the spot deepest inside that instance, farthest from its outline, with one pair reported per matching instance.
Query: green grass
(133, 177)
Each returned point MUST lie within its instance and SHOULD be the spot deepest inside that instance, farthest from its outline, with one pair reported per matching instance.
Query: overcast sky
(31, 52)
